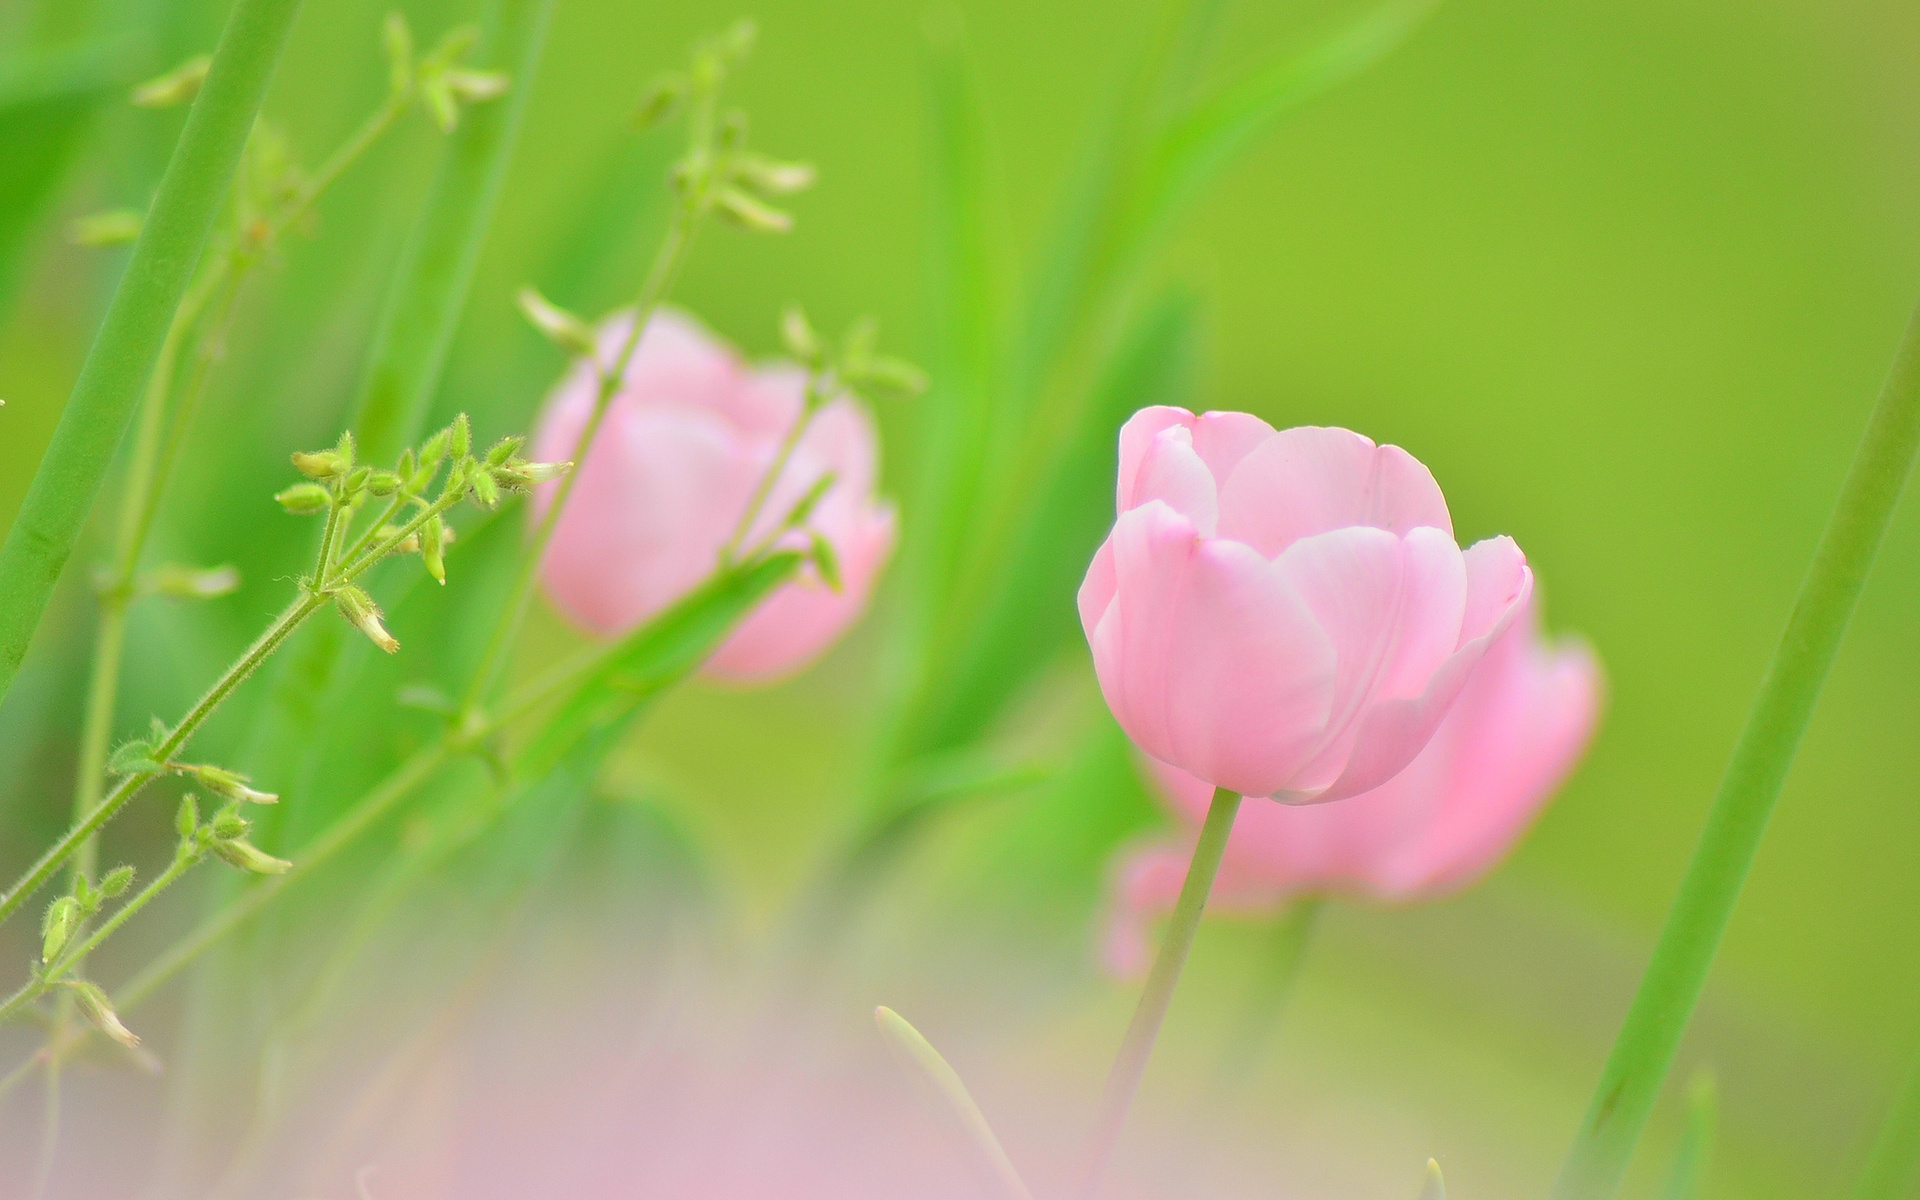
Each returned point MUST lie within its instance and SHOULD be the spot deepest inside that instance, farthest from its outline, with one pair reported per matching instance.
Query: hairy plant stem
(1137, 1046)
(1644, 1051)
(666, 265)
(51, 974)
(123, 355)
(310, 601)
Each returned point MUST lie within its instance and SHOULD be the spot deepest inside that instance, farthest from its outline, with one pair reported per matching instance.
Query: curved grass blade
(1737, 820)
(917, 1056)
(123, 353)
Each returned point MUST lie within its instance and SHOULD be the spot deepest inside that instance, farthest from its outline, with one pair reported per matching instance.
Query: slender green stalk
(1893, 1164)
(666, 265)
(436, 269)
(123, 354)
(1274, 978)
(809, 404)
(1695, 1154)
(1711, 886)
(51, 975)
(1137, 1046)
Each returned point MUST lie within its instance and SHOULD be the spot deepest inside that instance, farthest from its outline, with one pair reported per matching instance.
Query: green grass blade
(1690, 1162)
(959, 411)
(436, 270)
(1893, 1164)
(1738, 819)
(116, 368)
(918, 1057)
(1195, 148)
(1032, 614)
(654, 657)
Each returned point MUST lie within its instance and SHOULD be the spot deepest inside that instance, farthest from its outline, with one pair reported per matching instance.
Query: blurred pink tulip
(1519, 725)
(1286, 614)
(686, 441)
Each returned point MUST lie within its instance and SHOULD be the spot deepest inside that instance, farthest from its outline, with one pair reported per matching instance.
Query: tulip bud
(304, 499)
(749, 213)
(63, 917)
(115, 228)
(245, 855)
(399, 44)
(117, 882)
(178, 86)
(229, 785)
(320, 464)
(556, 324)
(797, 335)
(360, 610)
(99, 1010)
(189, 583)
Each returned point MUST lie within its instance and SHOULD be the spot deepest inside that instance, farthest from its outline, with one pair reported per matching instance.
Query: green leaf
(654, 657)
(1688, 1176)
(124, 352)
(917, 1056)
(134, 758)
(1198, 146)
(1031, 614)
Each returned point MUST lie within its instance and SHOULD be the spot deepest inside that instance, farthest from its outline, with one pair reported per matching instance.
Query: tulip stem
(1708, 891)
(1137, 1045)
(1274, 978)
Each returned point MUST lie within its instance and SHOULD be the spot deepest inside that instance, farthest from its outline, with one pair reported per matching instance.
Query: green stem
(809, 404)
(1893, 1165)
(1708, 891)
(1135, 1048)
(235, 675)
(666, 265)
(436, 269)
(123, 354)
(1274, 979)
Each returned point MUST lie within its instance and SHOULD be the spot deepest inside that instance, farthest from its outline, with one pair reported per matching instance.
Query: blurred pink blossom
(687, 439)
(1286, 614)
(1520, 724)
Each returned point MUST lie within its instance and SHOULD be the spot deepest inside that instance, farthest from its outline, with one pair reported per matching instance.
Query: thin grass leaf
(1690, 1162)
(959, 412)
(1031, 615)
(917, 1056)
(436, 269)
(1893, 1164)
(123, 353)
(1197, 147)
(653, 658)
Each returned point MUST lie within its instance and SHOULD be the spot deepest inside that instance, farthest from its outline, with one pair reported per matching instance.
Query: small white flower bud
(460, 436)
(320, 464)
(189, 583)
(556, 324)
(99, 1010)
(360, 611)
(63, 917)
(432, 549)
(229, 785)
(186, 818)
(244, 854)
(749, 213)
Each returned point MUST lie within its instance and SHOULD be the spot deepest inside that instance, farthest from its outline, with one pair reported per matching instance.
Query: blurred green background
(1625, 276)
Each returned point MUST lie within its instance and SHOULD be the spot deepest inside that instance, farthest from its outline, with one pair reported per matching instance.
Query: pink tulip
(1286, 614)
(688, 438)
(1520, 724)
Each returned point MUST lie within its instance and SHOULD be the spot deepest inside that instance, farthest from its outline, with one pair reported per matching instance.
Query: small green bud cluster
(719, 174)
(67, 915)
(224, 836)
(442, 81)
(338, 485)
(856, 365)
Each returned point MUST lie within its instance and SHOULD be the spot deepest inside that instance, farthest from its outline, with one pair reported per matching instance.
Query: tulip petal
(1096, 590)
(1250, 677)
(1136, 438)
(1222, 439)
(1172, 472)
(1312, 480)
